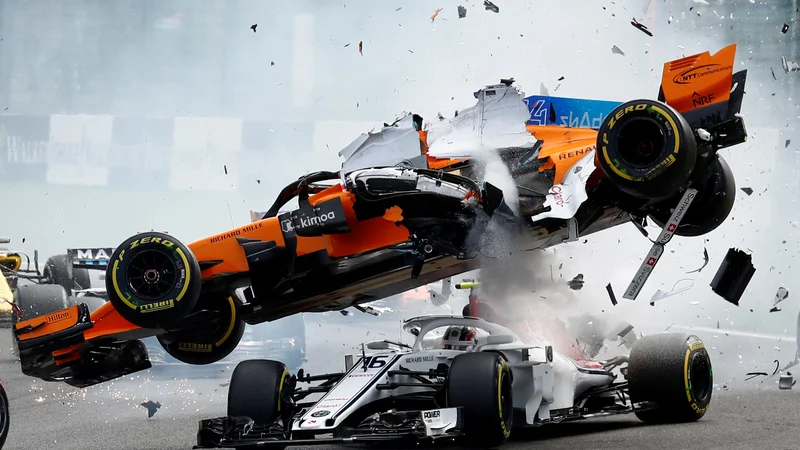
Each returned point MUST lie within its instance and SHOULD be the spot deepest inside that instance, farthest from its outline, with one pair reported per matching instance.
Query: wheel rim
(700, 376)
(641, 142)
(151, 274)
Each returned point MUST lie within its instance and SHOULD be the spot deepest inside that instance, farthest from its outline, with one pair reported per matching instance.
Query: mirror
(499, 339)
(379, 345)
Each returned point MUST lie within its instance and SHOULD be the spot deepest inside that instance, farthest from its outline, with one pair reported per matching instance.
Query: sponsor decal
(325, 218)
(419, 359)
(702, 100)
(558, 195)
(59, 316)
(235, 233)
(431, 414)
(321, 413)
(574, 153)
(691, 75)
(90, 254)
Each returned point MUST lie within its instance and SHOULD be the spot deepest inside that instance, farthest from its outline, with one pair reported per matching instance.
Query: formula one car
(28, 299)
(412, 206)
(476, 382)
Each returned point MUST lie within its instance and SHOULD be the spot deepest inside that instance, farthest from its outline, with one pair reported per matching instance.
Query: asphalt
(753, 414)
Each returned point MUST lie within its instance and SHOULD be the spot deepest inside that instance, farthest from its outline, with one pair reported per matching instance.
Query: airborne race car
(407, 209)
(477, 382)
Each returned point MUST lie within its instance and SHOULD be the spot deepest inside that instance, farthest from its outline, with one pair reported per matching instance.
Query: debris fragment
(611, 295)
(780, 296)
(773, 73)
(361, 47)
(616, 50)
(733, 275)
(777, 367)
(543, 90)
(747, 190)
(576, 284)
(789, 66)
(491, 6)
(704, 134)
(641, 27)
(462, 12)
(775, 309)
(253, 27)
(660, 295)
(561, 78)
(435, 13)
(755, 374)
(705, 261)
(344, 312)
(152, 407)
(786, 382)
(225, 168)
(786, 145)
(785, 28)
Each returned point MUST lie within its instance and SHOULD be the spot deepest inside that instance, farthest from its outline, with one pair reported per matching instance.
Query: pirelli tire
(57, 270)
(153, 280)
(647, 149)
(711, 207)
(209, 342)
(480, 383)
(5, 415)
(259, 390)
(671, 371)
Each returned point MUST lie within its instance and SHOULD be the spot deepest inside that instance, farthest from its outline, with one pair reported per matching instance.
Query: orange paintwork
(364, 236)
(699, 80)
(49, 324)
(563, 147)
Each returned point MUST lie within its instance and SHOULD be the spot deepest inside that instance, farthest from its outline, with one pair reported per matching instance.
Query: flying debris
(152, 407)
(576, 284)
(491, 6)
(435, 13)
(462, 12)
(705, 262)
(786, 381)
(780, 296)
(733, 275)
(747, 190)
(785, 28)
(611, 295)
(253, 27)
(641, 27)
(789, 66)
(616, 50)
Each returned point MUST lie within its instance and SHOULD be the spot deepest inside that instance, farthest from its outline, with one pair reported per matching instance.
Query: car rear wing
(89, 258)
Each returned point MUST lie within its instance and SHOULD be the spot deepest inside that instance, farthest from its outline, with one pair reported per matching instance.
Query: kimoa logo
(304, 222)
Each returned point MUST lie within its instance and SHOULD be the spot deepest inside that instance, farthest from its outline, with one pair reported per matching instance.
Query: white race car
(474, 384)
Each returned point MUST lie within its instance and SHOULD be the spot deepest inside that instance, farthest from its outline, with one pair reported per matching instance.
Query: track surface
(54, 416)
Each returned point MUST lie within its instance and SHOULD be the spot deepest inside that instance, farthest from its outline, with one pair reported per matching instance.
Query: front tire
(480, 383)
(257, 389)
(5, 416)
(209, 342)
(673, 371)
(153, 280)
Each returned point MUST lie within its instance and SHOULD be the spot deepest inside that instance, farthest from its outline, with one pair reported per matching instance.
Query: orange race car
(410, 206)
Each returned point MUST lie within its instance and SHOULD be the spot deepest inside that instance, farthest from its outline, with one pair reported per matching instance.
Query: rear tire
(153, 280)
(56, 271)
(480, 383)
(709, 210)
(672, 370)
(647, 149)
(208, 343)
(36, 300)
(256, 390)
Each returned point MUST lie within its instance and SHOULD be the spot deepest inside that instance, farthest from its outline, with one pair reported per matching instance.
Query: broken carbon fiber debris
(786, 382)
(780, 296)
(705, 262)
(576, 284)
(785, 28)
(152, 407)
(617, 51)
(747, 190)
(462, 12)
(733, 275)
(253, 27)
(611, 295)
(641, 27)
(491, 6)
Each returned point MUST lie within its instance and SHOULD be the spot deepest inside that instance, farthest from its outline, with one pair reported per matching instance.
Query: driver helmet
(458, 338)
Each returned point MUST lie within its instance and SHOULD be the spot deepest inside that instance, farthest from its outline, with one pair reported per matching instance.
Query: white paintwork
(538, 386)
(564, 199)
(496, 121)
(386, 148)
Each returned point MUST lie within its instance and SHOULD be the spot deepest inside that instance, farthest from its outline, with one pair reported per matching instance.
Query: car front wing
(395, 427)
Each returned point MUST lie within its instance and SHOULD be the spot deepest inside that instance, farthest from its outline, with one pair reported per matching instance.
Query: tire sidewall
(214, 346)
(696, 349)
(616, 122)
(168, 308)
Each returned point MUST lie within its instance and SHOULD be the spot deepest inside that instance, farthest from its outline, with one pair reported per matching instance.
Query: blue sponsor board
(568, 112)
